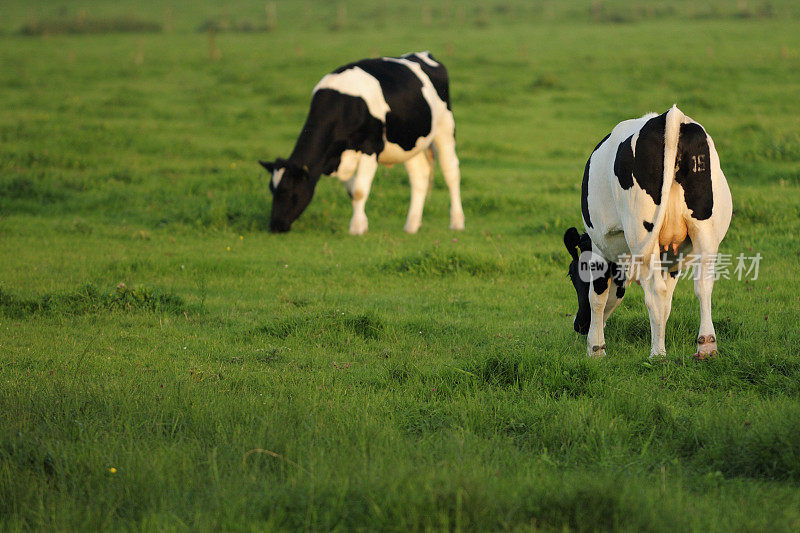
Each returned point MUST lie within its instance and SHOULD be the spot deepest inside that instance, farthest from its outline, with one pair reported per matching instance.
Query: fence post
(213, 51)
(272, 16)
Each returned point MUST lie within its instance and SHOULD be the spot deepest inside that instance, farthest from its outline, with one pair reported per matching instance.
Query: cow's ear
(572, 240)
(270, 166)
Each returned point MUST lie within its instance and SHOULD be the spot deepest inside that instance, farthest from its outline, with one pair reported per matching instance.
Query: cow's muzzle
(279, 227)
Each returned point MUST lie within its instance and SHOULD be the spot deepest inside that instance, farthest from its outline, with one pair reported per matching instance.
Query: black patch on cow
(620, 289)
(585, 186)
(576, 244)
(648, 164)
(693, 170)
(600, 284)
(437, 75)
(409, 116)
(585, 195)
(623, 164)
(648, 225)
(675, 273)
(336, 122)
(618, 275)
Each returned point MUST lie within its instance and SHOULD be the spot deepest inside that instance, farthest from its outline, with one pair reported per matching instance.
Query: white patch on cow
(356, 82)
(276, 177)
(347, 165)
(394, 154)
(426, 57)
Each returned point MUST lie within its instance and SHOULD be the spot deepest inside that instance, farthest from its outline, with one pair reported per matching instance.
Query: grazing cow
(654, 197)
(374, 111)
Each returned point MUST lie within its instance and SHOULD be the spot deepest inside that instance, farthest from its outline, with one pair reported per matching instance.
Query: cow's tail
(665, 211)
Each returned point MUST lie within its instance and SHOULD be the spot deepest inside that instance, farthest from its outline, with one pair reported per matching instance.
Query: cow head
(292, 189)
(577, 244)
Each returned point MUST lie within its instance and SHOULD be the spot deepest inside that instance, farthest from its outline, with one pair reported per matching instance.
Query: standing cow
(374, 111)
(654, 196)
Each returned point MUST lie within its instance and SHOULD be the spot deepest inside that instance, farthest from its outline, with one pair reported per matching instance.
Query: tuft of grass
(437, 262)
(546, 81)
(88, 299)
(367, 326)
(557, 378)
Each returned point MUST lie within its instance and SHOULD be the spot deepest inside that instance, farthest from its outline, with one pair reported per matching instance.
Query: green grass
(237, 379)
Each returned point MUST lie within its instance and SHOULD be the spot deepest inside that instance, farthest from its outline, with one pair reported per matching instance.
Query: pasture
(167, 363)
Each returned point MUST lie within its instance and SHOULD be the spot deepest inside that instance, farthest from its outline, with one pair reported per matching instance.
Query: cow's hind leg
(419, 173)
(705, 248)
(445, 143)
(671, 281)
(359, 187)
(431, 164)
(655, 297)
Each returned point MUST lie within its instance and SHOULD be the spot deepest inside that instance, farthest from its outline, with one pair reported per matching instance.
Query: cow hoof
(597, 350)
(411, 228)
(458, 226)
(358, 226)
(706, 347)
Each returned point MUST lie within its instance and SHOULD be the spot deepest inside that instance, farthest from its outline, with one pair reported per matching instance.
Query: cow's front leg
(595, 340)
(359, 187)
(655, 297)
(616, 291)
(419, 172)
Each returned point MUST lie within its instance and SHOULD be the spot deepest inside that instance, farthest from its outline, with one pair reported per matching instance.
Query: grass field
(166, 363)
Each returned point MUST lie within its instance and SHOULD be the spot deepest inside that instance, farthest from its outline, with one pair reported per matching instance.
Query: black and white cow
(374, 111)
(655, 200)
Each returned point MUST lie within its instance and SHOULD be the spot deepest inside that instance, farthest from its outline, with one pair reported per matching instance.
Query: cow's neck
(313, 150)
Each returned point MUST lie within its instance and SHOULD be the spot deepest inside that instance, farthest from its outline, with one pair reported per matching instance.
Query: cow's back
(436, 73)
(407, 94)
